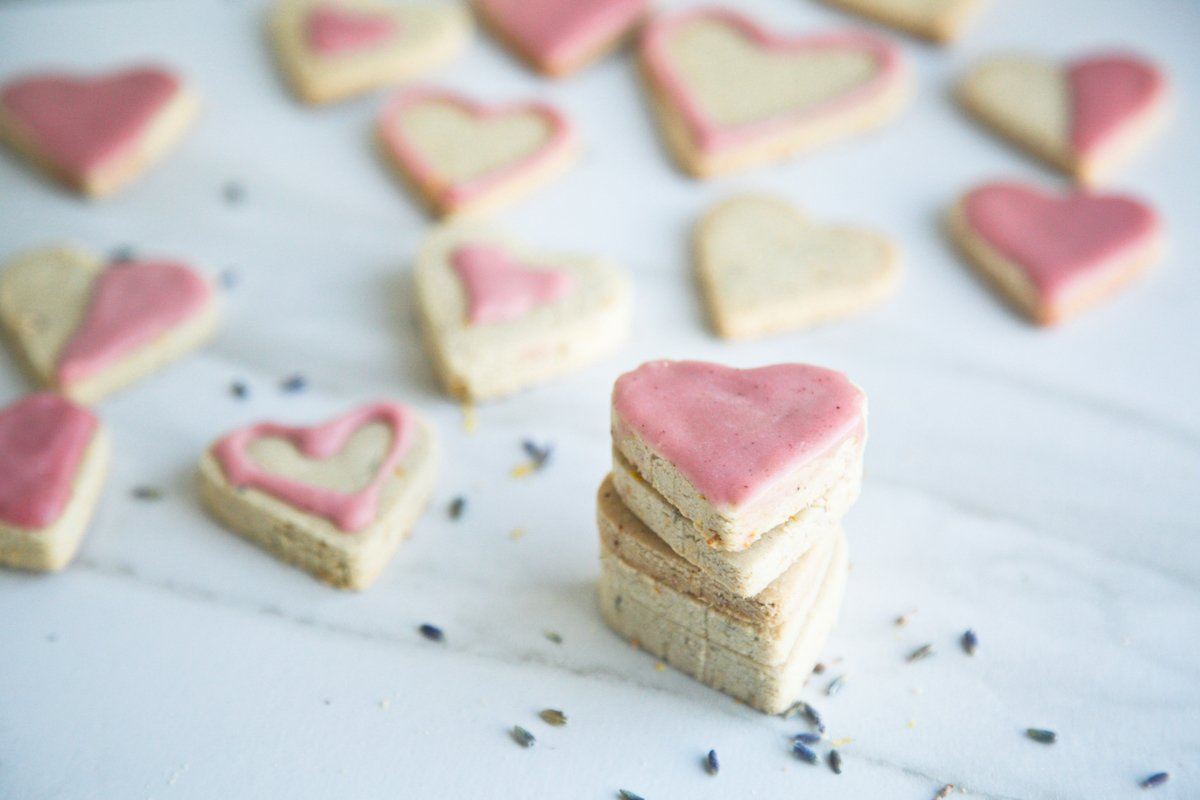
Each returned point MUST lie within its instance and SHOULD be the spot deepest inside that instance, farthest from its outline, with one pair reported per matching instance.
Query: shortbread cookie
(1052, 256)
(87, 329)
(688, 633)
(95, 135)
(764, 268)
(335, 499)
(53, 459)
(936, 20)
(498, 316)
(747, 572)
(738, 451)
(730, 94)
(557, 37)
(1087, 117)
(462, 157)
(333, 49)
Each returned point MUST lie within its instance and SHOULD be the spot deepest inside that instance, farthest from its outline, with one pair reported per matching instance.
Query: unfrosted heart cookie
(464, 157)
(764, 268)
(935, 20)
(53, 459)
(730, 94)
(1054, 255)
(87, 329)
(1086, 117)
(333, 49)
(335, 499)
(557, 37)
(499, 316)
(95, 134)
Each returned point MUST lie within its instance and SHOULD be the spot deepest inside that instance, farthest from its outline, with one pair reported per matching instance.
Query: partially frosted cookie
(333, 49)
(1051, 255)
(95, 134)
(935, 20)
(1087, 117)
(335, 499)
(557, 37)
(738, 451)
(730, 94)
(86, 328)
(499, 316)
(53, 460)
(765, 268)
(460, 156)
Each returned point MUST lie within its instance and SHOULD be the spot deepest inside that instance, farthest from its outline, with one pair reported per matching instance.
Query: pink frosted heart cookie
(1054, 255)
(87, 329)
(557, 37)
(463, 157)
(335, 499)
(95, 134)
(333, 49)
(53, 459)
(738, 451)
(1086, 117)
(730, 94)
(499, 316)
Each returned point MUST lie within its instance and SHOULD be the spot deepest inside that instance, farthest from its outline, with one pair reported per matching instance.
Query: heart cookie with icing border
(86, 328)
(730, 94)
(1087, 117)
(96, 134)
(335, 499)
(333, 49)
(53, 460)
(938, 21)
(764, 268)
(463, 157)
(1053, 255)
(498, 316)
(558, 37)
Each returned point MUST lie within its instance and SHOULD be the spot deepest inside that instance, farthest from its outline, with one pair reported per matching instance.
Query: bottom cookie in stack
(758, 649)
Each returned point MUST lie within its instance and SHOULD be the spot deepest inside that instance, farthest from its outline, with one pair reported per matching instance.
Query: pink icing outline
(1104, 104)
(499, 288)
(331, 30)
(526, 23)
(1043, 255)
(348, 511)
(710, 137)
(40, 457)
(562, 136)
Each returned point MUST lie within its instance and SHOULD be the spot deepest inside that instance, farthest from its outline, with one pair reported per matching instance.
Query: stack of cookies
(721, 546)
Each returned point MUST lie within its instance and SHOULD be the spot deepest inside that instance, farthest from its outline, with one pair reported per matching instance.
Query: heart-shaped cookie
(87, 329)
(1053, 255)
(499, 316)
(730, 94)
(557, 37)
(935, 20)
(53, 457)
(764, 268)
(95, 134)
(462, 157)
(1087, 117)
(333, 49)
(335, 499)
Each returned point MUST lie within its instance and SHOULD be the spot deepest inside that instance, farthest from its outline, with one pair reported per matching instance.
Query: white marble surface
(1039, 486)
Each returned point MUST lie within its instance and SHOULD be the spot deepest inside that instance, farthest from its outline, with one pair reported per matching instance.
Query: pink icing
(1107, 93)
(560, 32)
(707, 135)
(1062, 241)
(734, 432)
(500, 290)
(334, 31)
(132, 303)
(409, 156)
(349, 511)
(81, 124)
(42, 440)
